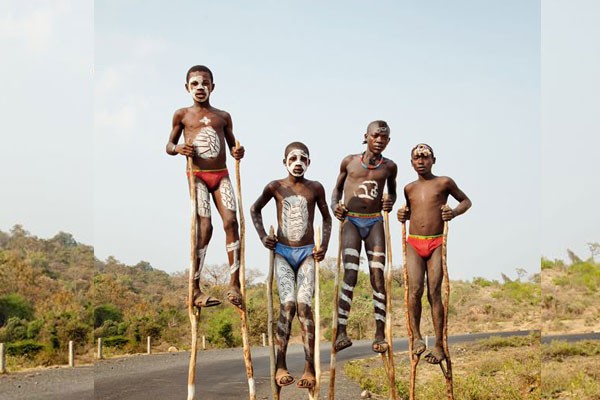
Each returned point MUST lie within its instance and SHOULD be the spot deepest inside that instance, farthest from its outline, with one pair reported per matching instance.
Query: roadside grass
(491, 369)
(570, 370)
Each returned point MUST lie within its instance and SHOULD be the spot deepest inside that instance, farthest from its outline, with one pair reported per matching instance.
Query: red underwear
(425, 245)
(211, 178)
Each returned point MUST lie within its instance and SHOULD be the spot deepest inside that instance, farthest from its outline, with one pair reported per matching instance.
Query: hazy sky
(89, 91)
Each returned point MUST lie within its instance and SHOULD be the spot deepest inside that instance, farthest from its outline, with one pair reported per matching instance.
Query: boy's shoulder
(220, 112)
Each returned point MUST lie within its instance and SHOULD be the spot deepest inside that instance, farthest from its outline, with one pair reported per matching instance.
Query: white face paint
(296, 159)
(198, 86)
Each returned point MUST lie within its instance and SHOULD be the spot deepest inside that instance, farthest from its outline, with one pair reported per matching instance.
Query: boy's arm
(172, 147)
(322, 204)
(256, 213)
(237, 153)
(464, 203)
(390, 199)
(339, 210)
(404, 212)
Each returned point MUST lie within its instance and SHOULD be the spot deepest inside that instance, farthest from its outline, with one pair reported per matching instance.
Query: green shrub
(14, 305)
(115, 341)
(106, 312)
(28, 348)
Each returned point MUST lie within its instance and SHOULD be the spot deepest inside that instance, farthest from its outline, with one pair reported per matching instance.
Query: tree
(14, 305)
(106, 312)
(594, 249)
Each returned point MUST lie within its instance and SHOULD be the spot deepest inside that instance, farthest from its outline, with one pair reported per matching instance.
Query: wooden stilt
(275, 389)
(334, 321)
(414, 359)
(391, 372)
(193, 312)
(447, 371)
(242, 310)
(314, 393)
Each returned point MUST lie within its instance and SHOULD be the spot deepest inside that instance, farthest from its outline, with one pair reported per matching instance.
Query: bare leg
(225, 202)
(416, 280)
(435, 277)
(204, 233)
(351, 244)
(286, 281)
(375, 246)
(306, 284)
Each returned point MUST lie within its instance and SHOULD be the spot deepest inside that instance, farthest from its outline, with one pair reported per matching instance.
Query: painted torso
(295, 212)
(205, 129)
(364, 188)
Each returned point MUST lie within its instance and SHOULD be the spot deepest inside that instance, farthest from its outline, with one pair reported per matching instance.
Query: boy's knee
(230, 224)
(206, 227)
(416, 294)
(288, 308)
(304, 311)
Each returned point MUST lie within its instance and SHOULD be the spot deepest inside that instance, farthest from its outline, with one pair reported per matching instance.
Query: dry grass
(570, 370)
(500, 369)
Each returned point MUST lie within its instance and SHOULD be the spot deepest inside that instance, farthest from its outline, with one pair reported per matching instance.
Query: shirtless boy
(362, 180)
(427, 210)
(295, 254)
(207, 131)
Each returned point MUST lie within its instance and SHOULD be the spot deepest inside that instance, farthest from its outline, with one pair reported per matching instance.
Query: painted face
(377, 138)
(200, 86)
(297, 162)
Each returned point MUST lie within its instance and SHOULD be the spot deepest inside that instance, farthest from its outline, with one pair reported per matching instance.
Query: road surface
(220, 374)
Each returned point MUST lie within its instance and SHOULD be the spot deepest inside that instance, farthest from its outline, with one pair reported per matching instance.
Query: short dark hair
(199, 68)
(295, 145)
(380, 124)
(425, 145)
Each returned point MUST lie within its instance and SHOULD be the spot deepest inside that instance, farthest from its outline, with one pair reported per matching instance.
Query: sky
(496, 88)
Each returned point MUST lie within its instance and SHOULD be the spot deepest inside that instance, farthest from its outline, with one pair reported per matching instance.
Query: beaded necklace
(367, 166)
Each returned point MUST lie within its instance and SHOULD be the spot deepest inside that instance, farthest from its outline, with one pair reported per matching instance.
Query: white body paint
(368, 190)
(376, 253)
(207, 143)
(203, 198)
(294, 159)
(205, 120)
(351, 252)
(201, 256)
(227, 195)
(287, 282)
(376, 264)
(235, 247)
(294, 215)
(352, 266)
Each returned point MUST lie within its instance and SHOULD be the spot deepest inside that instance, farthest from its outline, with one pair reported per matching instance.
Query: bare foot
(342, 342)
(307, 381)
(379, 346)
(283, 377)
(234, 296)
(435, 355)
(418, 346)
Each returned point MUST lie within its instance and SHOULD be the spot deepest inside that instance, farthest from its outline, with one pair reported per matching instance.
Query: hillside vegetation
(55, 290)
(570, 301)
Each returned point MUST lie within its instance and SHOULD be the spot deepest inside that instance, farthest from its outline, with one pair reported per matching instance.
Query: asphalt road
(220, 374)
